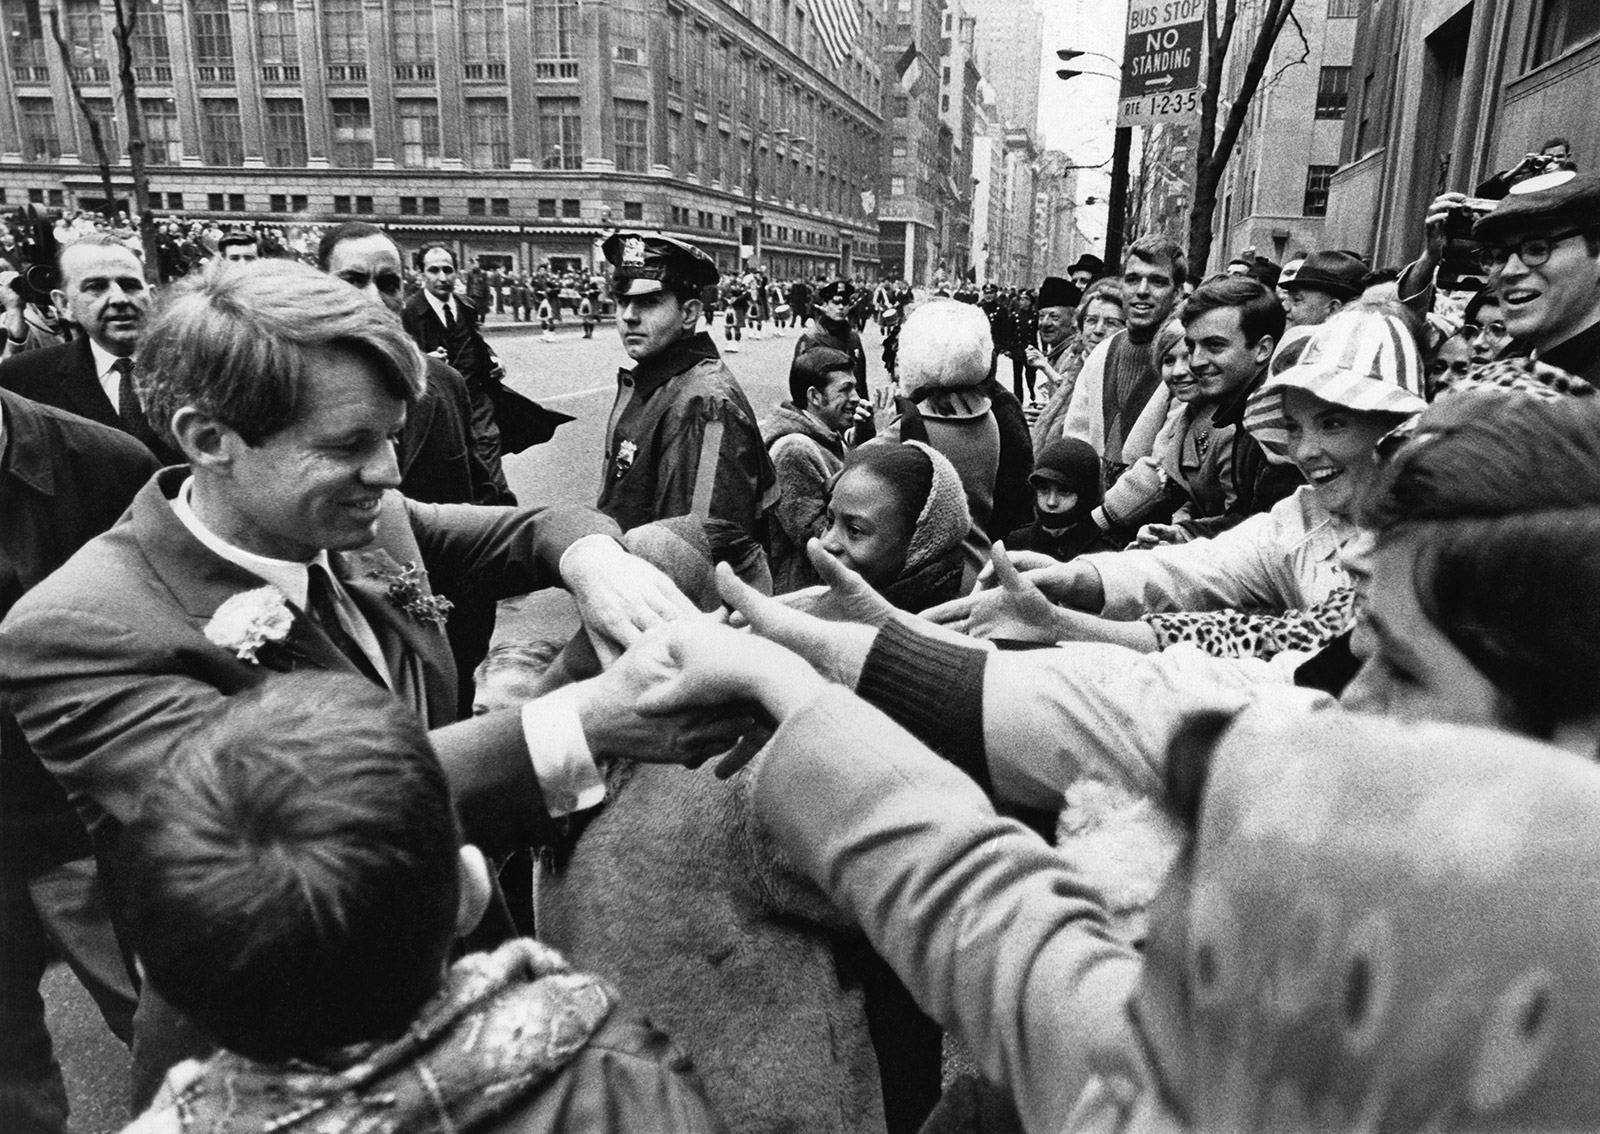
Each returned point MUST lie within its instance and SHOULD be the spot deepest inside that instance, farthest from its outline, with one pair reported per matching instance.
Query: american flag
(839, 24)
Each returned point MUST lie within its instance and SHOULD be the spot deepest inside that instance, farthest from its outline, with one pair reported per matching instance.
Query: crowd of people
(1194, 729)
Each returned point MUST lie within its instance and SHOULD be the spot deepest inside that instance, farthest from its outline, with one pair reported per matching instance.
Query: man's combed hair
(1260, 313)
(1157, 248)
(237, 345)
(290, 878)
(339, 233)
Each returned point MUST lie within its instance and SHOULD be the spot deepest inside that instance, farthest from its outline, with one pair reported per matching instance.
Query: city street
(574, 375)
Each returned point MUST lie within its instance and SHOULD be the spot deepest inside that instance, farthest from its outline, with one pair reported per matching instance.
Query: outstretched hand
(697, 667)
(619, 595)
(834, 635)
(1017, 610)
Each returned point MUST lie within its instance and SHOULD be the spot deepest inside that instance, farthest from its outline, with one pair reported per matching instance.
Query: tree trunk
(127, 16)
(1211, 150)
(96, 137)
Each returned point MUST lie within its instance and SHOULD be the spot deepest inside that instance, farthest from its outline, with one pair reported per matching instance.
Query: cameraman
(26, 326)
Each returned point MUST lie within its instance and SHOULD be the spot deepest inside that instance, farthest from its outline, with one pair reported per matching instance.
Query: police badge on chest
(626, 451)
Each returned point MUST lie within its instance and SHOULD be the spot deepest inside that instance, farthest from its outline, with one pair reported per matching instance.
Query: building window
(40, 139)
(897, 186)
(174, 200)
(674, 50)
(697, 152)
(286, 133)
(86, 37)
(571, 208)
(412, 34)
(1333, 92)
(419, 133)
(560, 134)
(101, 113)
(430, 206)
(278, 41)
(221, 134)
(477, 207)
(25, 29)
(483, 39)
(163, 144)
(217, 202)
(1318, 178)
(352, 133)
(1344, 9)
(212, 32)
(632, 135)
(900, 107)
(236, 202)
(500, 206)
(488, 133)
(408, 206)
(675, 140)
(547, 208)
(1561, 25)
(555, 31)
(628, 22)
(633, 210)
(344, 39)
(341, 204)
(701, 48)
(152, 54)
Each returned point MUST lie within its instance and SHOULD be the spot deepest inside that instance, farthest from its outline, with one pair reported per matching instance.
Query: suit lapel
(81, 386)
(418, 655)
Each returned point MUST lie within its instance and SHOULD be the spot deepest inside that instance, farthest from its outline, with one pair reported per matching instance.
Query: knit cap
(944, 520)
(1361, 358)
(1069, 462)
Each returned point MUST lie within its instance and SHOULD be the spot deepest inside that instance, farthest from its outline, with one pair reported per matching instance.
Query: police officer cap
(1562, 201)
(644, 262)
(835, 289)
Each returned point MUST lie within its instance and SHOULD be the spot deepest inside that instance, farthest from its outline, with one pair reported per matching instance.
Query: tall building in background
(912, 203)
(1274, 197)
(958, 113)
(1009, 40)
(520, 131)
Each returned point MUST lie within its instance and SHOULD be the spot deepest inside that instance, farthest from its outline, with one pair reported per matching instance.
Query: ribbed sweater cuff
(934, 690)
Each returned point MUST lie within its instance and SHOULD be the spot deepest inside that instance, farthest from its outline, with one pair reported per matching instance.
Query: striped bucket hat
(1362, 359)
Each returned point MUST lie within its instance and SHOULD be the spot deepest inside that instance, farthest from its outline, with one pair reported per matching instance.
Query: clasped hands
(704, 685)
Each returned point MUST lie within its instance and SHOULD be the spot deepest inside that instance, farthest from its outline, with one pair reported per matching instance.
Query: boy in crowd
(294, 882)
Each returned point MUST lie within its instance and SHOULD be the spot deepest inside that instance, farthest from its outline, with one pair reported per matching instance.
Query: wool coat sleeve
(1085, 419)
(802, 506)
(997, 939)
(710, 464)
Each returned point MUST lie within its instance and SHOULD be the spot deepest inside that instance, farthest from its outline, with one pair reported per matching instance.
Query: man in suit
(284, 546)
(445, 326)
(438, 462)
(103, 294)
(63, 481)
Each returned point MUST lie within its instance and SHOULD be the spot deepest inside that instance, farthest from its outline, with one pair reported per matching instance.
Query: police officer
(682, 437)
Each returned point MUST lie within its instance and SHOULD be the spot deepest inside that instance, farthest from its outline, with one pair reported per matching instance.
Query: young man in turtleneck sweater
(1120, 375)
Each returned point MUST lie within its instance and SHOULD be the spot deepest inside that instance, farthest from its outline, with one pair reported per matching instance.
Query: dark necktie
(128, 407)
(449, 318)
(324, 611)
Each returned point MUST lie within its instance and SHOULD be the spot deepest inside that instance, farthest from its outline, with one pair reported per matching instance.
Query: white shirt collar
(438, 304)
(289, 577)
(109, 378)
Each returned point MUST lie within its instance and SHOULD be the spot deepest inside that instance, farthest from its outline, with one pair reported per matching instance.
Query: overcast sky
(1078, 115)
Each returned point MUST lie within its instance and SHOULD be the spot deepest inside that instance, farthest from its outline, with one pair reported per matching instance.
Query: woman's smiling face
(1333, 447)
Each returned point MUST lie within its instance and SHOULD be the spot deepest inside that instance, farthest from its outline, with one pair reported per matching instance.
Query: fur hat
(945, 519)
(945, 345)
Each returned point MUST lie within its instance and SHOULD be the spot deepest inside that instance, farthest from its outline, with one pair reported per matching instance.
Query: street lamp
(1122, 144)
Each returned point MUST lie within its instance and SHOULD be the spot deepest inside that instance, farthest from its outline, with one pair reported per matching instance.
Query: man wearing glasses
(1541, 249)
(438, 462)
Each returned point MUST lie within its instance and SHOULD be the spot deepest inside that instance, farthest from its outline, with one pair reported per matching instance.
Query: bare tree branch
(127, 21)
(1305, 51)
(96, 137)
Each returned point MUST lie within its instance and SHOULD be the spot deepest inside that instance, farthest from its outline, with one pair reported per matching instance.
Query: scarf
(504, 1024)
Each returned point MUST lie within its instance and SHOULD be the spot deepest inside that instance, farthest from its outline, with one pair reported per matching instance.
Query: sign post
(1161, 62)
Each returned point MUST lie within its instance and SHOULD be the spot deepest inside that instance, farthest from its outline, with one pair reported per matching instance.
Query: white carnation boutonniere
(250, 620)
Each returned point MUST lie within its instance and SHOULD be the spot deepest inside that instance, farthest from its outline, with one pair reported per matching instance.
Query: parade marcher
(586, 311)
(682, 437)
(736, 305)
(1022, 335)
